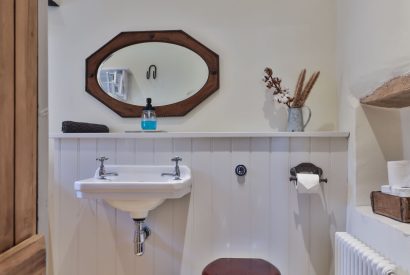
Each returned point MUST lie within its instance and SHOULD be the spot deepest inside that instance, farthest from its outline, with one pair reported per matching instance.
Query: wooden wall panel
(21, 251)
(28, 257)
(6, 124)
(26, 119)
(260, 215)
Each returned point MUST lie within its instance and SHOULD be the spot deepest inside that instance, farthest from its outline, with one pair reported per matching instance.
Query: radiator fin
(355, 258)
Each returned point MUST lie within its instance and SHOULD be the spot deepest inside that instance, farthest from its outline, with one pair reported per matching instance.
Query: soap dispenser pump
(148, 117)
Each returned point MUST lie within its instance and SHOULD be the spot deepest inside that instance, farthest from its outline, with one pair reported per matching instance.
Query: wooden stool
(233, 266)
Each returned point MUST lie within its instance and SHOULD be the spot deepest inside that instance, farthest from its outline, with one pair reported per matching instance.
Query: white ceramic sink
(137, 189)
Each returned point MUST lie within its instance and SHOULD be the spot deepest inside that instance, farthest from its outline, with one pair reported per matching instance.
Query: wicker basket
(394, 207)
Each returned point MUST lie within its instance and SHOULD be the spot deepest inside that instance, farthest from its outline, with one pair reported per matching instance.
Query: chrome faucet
(101, 171)
(177, 173)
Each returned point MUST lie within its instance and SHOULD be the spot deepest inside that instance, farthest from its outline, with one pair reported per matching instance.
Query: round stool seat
(234, 266)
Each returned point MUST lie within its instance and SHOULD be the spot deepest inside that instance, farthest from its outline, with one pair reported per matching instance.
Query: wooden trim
(6, 124)
(393, 94)
(28, 257)
(26, 120)
(125, 39)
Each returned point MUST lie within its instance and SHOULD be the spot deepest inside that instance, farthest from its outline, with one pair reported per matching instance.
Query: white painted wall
(373, 41)
(260, 215)
(373, 46)
(405, 122)
(247, 35)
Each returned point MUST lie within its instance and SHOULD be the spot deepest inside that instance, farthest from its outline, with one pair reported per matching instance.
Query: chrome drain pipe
(141, 233)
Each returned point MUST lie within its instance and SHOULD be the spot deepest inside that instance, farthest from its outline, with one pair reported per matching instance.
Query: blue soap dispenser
(148, 117)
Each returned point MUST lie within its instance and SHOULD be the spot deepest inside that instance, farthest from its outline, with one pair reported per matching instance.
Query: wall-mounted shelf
(202, 135)
(395, 93)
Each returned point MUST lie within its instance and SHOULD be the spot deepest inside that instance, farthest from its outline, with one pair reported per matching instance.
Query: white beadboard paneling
(144, 155)
(144, 151)
(125, 151)
(259, 215)
(338, 183)
(299, 214)
(124, 244)
(202, 198)
(181, 227)
(279, 203)
(125, 154)
(87, 238)
(221, 172)
(162, 235)
(106, 219)
(180, 230)
(259, 183)
(68, 216)
(54, 206)
(320, 250)
(241, 200)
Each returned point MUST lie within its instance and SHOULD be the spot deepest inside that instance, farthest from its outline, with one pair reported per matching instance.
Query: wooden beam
(393, 94)
(26, 120)
(28, 257)
(6, 124)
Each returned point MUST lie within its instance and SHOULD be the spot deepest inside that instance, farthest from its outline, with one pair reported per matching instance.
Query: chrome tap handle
(177, 170)
(101, 171)
(102, 159)
(176, 159)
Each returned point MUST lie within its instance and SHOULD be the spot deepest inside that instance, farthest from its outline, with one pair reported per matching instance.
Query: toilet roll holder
(306, 168)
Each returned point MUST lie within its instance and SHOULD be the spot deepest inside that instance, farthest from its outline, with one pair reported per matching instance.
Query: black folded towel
(83, 127)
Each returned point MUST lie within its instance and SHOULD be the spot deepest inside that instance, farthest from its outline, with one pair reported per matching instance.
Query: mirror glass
(167, 73)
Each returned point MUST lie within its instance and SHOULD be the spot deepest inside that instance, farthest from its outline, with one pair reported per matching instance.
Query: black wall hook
(154, 72)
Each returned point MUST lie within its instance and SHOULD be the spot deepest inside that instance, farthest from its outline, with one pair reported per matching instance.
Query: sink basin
(137, 189)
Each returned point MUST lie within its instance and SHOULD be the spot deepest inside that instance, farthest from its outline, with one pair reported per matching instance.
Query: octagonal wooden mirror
(171, 67)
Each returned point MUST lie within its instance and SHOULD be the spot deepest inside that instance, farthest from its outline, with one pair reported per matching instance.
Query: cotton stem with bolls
(280, 94)
(283, 96)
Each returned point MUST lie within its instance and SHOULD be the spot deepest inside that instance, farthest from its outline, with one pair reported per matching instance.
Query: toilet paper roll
(307, 183)
(399, 173)
(386, 189)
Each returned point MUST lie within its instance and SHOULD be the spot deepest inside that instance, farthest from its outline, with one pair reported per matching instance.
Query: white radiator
(355, 258)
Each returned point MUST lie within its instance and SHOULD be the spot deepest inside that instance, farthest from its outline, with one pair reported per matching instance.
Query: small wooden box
(394, 207)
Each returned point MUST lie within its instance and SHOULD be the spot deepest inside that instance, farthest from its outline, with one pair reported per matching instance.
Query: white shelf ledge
(200, 135)
(389, 237)
(367, 213)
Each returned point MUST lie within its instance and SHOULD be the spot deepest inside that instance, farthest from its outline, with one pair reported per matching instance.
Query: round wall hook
(240, 170)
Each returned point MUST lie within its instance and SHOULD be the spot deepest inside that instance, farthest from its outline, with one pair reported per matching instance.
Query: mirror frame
(177, 37)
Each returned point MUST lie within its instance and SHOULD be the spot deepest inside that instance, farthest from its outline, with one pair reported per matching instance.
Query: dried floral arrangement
(282, 95)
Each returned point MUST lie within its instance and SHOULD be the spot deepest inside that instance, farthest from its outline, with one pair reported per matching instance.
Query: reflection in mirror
(167, 73)
(174, 69)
